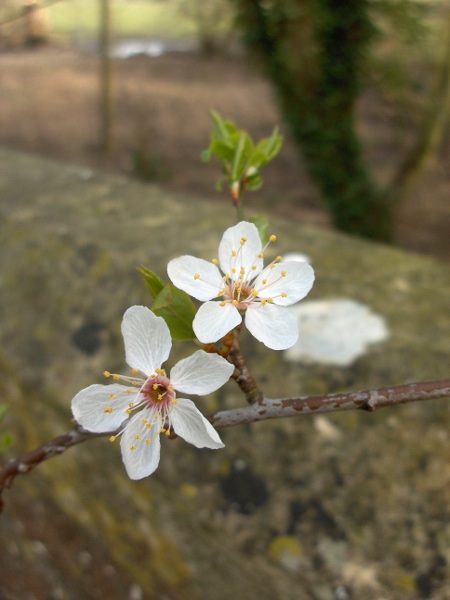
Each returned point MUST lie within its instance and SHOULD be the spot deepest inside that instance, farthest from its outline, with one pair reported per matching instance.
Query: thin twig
(368, 400)
(266, 408)
(242, 375)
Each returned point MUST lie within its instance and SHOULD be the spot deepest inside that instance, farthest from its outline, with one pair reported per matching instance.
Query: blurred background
(347, 506)
(360, 91)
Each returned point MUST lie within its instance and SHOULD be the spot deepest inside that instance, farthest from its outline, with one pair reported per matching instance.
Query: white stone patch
(335, 332)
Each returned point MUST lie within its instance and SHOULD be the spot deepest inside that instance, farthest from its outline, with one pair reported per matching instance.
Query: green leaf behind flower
(178, 311)
(153, 281)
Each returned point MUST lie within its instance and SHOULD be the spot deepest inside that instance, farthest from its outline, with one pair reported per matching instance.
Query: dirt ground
(49, 106)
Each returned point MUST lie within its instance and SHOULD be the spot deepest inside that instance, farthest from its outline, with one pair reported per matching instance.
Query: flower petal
(200, 373)
(189, 423)
(246, 254)
(147, 339)
(296, 282)
(140, 456)
(274, 326)
(182, 272)
(89, 406)
(213, 321)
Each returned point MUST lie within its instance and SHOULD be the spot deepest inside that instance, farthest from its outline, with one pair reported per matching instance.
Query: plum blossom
(151, 399)
(263, 294)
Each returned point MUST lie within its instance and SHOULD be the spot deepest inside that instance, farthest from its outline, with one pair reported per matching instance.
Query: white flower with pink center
(149, 405)
(244, 286)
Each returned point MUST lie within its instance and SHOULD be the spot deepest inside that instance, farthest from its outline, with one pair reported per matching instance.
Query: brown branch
(242, 374)
(266, 408)
(369, 400)
(26, 463)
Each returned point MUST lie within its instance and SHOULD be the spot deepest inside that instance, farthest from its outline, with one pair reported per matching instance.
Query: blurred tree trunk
(314, 52)
(434, 125)
(106, 95)
(36, 23)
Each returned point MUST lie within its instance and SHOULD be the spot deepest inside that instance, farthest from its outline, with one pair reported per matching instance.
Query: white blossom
(244, 286)
(148, 405)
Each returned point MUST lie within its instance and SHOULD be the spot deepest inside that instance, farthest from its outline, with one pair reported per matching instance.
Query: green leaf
(254, 182)
(262, 225)
(239, 156)
(153, 281)
(271, 146)
(243, 151)
(224, 151)
(222, 129)
(178, 311)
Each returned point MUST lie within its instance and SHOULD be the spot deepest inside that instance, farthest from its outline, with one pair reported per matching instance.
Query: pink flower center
(158, 391)
(239, 294)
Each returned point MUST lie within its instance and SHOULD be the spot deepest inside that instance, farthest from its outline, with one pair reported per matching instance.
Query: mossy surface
(365, 496)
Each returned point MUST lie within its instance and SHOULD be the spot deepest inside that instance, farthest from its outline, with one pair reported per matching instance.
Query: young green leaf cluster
(242, 159)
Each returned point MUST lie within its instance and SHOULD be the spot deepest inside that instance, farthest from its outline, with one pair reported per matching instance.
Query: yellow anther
(106, 373)
(134, 371)
(167, 432)
(254, 268)
(254, 292)
(156, 416)
(145, 421)
(271, 266)
(233, 253)
(132, 447)
(160, 397)
(283, 273)
(197, 276)
(134, 383)
(131, 405)
(233, 270)
(174, 401)
(116, 377)
(155, 386)
(223, 303)
(162, 430)
(112, 438)
(136, 437)
(243, 240)
(270, 300)
(235, 302)
(242, 269)
(163, 373)
(215, 261)
(108, 410)
(147, 425)
(260, 255)
(148, 441)
(278, 259)
(170, 388)
(283, 295)
(263, 302)
(111, 396)
(239, 290)
(264, 281)
(273, 238)
(130, 392)
(159, 371)
(128, 411)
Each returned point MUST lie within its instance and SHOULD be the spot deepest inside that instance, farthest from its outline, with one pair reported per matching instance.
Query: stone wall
(345, 506)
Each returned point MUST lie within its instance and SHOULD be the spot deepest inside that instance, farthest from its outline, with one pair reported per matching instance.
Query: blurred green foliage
(318, 55)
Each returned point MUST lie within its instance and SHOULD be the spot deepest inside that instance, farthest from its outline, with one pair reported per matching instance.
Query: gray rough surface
(345, 506)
